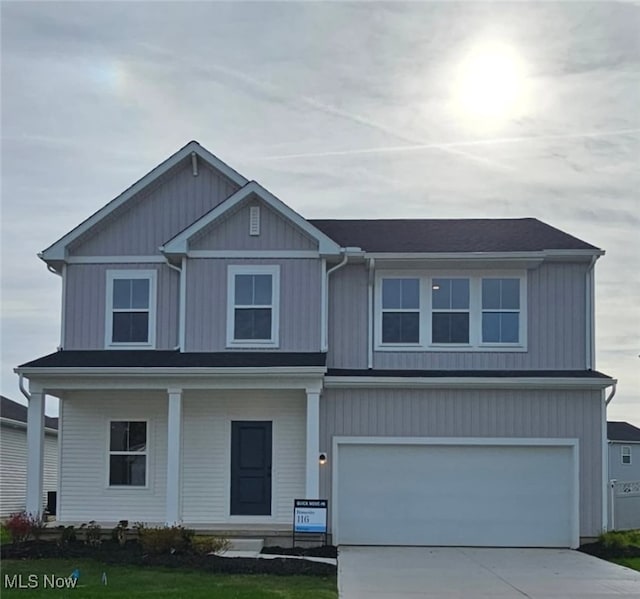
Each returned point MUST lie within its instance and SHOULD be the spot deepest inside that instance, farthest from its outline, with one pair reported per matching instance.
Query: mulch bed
(324, 551)
(131, 554)
(597, 549)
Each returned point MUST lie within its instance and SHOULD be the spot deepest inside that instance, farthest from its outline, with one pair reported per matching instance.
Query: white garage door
(446, 493)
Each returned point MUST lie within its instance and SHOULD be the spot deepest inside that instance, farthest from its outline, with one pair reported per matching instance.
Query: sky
(342, 110)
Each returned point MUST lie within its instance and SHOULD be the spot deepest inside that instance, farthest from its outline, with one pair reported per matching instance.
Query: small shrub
(204, 545)
(164, 539)
(38, 524)
(93, 533)
(20, 526)
(5, 535)
(119, 533)
(67, 534)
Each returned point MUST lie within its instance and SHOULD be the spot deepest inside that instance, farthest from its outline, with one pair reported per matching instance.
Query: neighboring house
(13, 457)
(215, 342)
(624, 474)
(624, 451)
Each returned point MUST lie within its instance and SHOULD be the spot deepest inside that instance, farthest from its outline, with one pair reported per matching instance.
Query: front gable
(252, 225)
(140, 226)
(170, 197)
(286, 229)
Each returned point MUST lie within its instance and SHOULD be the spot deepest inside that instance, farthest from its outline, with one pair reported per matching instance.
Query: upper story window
(128, 453)
(253, 305)
(626, 454)
(452, 311)
(449, 310)
(401, 310)
(130, 304)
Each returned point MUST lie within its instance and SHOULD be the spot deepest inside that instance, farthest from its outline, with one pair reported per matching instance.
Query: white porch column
(174, 455)
(35, 449)
(312, 487)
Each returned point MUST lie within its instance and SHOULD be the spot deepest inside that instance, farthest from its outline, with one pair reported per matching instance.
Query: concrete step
(244, 544)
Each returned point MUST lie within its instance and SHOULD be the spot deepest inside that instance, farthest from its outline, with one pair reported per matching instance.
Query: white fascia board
(58, 251)
(362, 382)
(179, 244)
(23, 425)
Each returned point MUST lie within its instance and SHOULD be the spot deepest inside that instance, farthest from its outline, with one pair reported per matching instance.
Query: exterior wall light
(322, 458)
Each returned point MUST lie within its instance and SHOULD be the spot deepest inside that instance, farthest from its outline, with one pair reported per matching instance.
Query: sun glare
(490, 83)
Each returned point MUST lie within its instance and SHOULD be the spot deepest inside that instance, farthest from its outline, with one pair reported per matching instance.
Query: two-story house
(215, 343)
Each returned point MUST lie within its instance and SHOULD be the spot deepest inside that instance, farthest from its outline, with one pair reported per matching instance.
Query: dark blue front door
(250, 468)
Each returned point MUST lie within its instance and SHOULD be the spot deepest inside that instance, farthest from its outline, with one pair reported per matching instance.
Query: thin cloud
(449, 146)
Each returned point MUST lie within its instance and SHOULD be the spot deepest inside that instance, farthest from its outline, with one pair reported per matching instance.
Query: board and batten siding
(141, 225)
(206, 315)
(231, 232)
(86, 297)
(207, 418)
(84, 484)
(474, 413)
(556, 329)
(13, 468)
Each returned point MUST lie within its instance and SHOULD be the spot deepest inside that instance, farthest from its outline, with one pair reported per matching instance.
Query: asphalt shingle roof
(622, 431)
(15, 411)
(450, 235)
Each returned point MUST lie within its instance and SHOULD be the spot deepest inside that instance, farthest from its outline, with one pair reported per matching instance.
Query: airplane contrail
(450, 145)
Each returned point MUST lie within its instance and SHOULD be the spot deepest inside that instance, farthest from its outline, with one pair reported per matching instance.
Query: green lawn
(629, 562)
(134, 583)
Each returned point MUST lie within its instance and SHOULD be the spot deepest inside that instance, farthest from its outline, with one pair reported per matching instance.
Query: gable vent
(254, 220)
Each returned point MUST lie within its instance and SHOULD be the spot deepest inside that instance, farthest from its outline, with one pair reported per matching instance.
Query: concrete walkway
(467, 573)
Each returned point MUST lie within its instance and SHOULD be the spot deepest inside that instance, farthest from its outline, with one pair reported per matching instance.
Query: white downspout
(179, 270)
(608, 505)
(21, 387)
(342, 263)
(590, 358)
(371, 313)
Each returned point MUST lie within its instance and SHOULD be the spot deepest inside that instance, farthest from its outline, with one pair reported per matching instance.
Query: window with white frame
(401, 310)
(500, 310)
(130, 304)
(128, 453)
(451, 311)
(252, 301)
(626, 454)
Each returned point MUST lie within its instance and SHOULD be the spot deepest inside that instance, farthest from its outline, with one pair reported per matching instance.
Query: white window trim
(253, 269)
(623, 455)
(144, 453)
(112, 275)
(475, 311)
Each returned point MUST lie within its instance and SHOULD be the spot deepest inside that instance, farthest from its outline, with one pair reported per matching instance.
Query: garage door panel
(455, 495)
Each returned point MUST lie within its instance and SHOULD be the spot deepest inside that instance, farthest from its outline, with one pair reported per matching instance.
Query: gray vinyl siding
(86, 304)
(474, 413)
(84, 491)
(13, 468)
(157, 214)
(348, 314)
(300, 284)
(232, 233)
(555, 327)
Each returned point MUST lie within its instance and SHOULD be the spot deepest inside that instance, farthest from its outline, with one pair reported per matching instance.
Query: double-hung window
(130, 320)
(626, 455)
(449, 310)
(128, 453)
(500, 310)
(401, 311)
(252, 305)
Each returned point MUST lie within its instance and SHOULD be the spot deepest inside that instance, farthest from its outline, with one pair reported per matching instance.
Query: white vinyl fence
(624, 505)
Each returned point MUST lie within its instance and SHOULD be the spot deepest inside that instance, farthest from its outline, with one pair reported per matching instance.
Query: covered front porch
(198, 447)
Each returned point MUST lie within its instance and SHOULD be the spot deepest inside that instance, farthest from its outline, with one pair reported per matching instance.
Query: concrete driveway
(453, 572)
